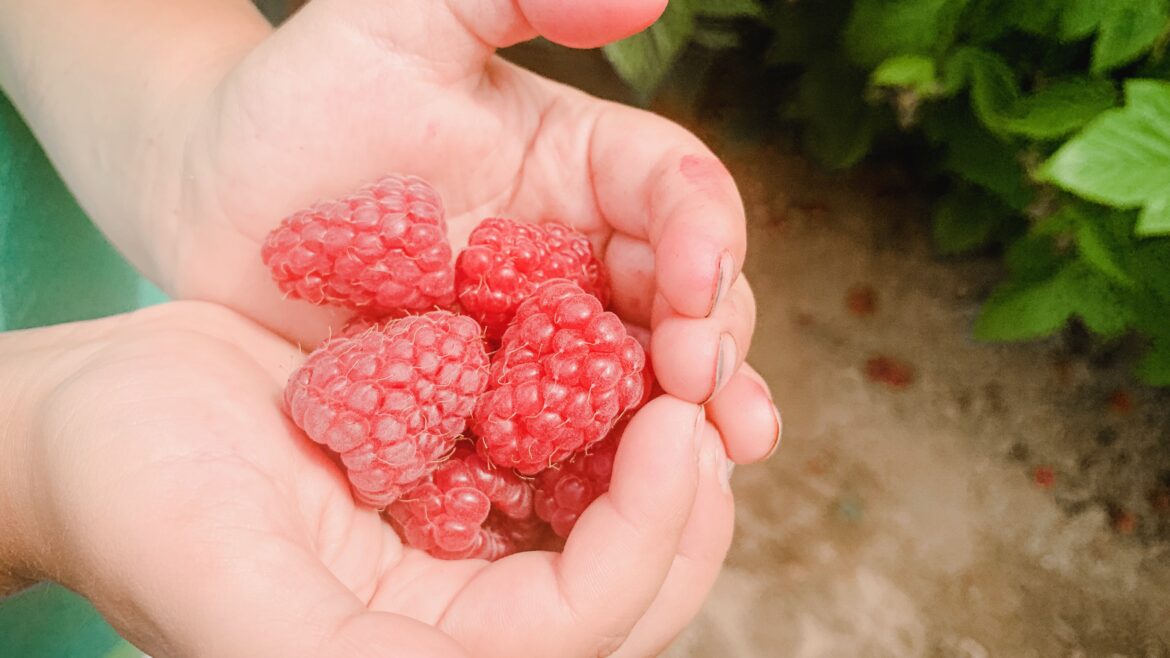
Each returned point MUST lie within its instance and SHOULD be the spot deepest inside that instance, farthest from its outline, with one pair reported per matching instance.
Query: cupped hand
(173, 492)
(349, 90)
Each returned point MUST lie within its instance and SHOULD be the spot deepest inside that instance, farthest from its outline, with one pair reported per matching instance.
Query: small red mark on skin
(1120, 402)
(1044, 477)
(861, 301)
(705, 172)
(891, 372)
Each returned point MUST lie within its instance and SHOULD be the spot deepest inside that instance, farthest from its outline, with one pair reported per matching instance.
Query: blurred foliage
(1041, 127)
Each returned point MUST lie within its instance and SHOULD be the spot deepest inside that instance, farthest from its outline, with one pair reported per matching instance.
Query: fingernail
(722, 280)
(724, 467)
(724, 362)
(700, 425)
(779, 432)
(767, 395)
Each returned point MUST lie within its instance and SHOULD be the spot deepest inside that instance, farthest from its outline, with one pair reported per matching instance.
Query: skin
(204, 524)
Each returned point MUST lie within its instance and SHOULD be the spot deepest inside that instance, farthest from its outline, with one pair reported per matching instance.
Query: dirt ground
(933, 495)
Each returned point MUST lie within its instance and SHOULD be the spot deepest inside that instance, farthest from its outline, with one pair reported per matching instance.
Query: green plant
(1043, 127)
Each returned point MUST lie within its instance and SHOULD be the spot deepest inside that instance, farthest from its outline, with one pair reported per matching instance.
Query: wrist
(33, 363)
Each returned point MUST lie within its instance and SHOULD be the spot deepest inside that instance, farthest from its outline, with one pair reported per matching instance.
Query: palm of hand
(204, 490)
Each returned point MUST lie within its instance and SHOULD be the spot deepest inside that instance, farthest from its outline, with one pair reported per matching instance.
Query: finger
(665, 186)
(701, 552)
(714, 347)
(469, 31)
(264, 596)
(630, 264)
(746, 417)
(622, 547)
(589, 24)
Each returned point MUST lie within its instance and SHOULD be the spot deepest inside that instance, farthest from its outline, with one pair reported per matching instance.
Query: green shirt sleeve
(55, 266)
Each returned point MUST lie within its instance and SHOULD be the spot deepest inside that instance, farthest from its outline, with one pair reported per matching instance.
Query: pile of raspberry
(476, 400)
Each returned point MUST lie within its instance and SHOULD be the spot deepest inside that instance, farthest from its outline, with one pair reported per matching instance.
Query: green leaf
(716, 38)
(1080, 18)
(989, 20)
(1059, 108)
(1061, 224)
(880, 29)
(1149, 260)
(1122, 158)
(1039, 308)
(1127, 29)
(978, 156)
(838, 126)
(806, 32)
(1104, 309)
(1155, 217)
(1054, 111)
(915, 72)
(966, 220)
(993, 84)
(1034, 258)
(1027, 312)
(726, 8)
(644, 59)
(1035, 16)
(1102, 250)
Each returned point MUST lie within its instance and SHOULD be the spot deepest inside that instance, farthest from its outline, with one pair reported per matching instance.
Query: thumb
(272, 598)
(473, 29)
(587, 24)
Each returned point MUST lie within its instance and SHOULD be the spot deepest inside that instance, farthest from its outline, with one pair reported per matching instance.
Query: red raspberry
(650, 387)
(565, 372)
(380, 249)
(447, 515)
(391, 400)
(499, 537)
(563, 492)
(515, 535)
(505, 261)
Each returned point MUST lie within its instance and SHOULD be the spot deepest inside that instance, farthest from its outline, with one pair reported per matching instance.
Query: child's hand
(160, 479)
(349, 90)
